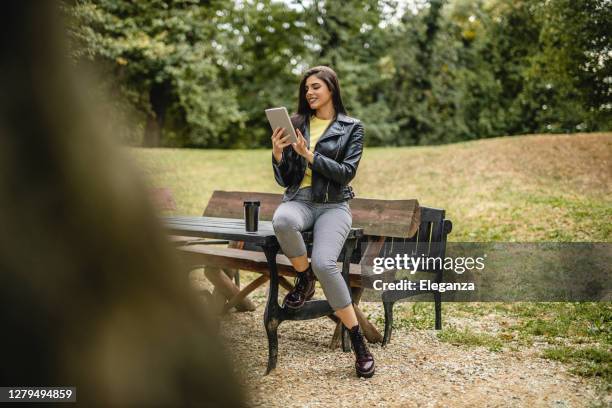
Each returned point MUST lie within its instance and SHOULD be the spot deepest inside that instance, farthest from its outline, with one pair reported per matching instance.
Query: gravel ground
(414, 370)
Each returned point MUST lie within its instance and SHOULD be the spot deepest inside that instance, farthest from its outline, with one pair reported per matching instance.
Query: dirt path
(415, 370)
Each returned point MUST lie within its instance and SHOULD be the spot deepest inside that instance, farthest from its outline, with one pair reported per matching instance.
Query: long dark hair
(327, 75)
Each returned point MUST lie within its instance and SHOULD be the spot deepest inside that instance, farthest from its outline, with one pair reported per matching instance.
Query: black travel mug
(251, 215)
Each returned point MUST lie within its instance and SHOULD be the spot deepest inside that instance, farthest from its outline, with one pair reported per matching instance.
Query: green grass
(524, 188)
(579, 334)
(504, 189)
(588, 361)
(566, 320)
(468, 337)
(411, 316)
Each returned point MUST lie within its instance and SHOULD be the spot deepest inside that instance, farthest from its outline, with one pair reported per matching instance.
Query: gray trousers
(331, 223)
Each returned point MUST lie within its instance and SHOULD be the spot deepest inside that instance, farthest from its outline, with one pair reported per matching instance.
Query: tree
(204, 71)
(569, 77)
(167, 56)
(264, 63)
(350, 37)
(410, 93)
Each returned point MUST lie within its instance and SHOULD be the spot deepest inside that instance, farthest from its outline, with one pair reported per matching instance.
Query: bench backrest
(385, 223)
(389, 218)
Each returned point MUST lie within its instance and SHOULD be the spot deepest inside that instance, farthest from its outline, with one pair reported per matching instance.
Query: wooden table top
(226, 228)
(221, 228)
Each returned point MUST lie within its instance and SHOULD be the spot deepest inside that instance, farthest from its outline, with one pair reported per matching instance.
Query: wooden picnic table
(234, 229)
(220, 228)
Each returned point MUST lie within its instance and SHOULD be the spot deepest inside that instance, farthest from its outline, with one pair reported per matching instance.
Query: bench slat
(390, 218)
(247, 260)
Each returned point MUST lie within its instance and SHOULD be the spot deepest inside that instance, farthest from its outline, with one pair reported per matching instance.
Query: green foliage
(354, 44)
(162, 55)
(265, 59)
(202, 72)
(569, 78)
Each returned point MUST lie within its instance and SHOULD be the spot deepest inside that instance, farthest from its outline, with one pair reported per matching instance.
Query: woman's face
(317, 92)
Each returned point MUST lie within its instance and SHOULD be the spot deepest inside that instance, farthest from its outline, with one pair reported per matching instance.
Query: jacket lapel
(334, 129)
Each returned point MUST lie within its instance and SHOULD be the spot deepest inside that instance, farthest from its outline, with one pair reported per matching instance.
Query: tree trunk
(152, 132)
(159, 99)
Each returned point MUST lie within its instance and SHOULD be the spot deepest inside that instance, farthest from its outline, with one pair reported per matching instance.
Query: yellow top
(317, 127)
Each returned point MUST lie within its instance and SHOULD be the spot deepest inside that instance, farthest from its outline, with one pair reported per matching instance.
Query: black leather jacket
(336, 158)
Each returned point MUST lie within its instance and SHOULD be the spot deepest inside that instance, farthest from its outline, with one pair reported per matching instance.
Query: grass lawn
(520, 189)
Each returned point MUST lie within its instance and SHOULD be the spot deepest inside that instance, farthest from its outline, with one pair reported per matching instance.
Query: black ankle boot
(364, 361)
(302, 291)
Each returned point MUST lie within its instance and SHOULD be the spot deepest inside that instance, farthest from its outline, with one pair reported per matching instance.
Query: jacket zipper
(315, 149)
(336, 159)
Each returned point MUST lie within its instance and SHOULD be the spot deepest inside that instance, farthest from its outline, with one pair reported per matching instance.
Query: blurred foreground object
(91, 295)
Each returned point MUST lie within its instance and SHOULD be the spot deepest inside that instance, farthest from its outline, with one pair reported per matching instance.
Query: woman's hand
(279, 142)
(301, 147)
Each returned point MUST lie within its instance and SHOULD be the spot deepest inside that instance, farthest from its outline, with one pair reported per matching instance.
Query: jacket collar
(341, 117)
(335, 128)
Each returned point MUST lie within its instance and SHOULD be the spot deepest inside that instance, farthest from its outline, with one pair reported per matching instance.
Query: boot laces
(360, 347)
(300, 282)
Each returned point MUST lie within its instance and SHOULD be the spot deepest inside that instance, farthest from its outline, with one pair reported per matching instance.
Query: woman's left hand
(301, 147)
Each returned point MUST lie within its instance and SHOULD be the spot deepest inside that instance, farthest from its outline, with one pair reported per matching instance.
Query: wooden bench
(384, 223)
(429, 241)
(163, 201)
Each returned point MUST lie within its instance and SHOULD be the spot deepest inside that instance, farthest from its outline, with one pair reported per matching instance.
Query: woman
(316, 172)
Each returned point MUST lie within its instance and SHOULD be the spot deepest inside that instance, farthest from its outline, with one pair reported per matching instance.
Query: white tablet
(278, 117)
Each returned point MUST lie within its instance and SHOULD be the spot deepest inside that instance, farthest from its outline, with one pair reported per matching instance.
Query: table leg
(244, 293)
(349, 247)
(272, 312)
(223, 284)
(388, 321)
(438, 302)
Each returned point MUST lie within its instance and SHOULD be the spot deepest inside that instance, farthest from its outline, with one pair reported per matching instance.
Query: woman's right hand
(279, 142)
